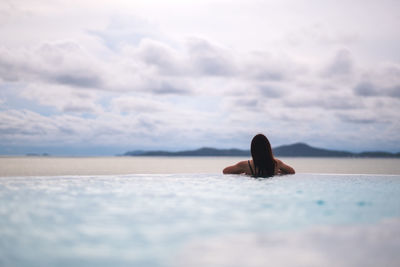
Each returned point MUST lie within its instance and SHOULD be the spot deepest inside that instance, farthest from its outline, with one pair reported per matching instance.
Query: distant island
(37, 155)
(294, 150)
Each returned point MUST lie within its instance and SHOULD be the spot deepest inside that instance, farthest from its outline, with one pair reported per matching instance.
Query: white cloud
(166, 60)
(183, 74)
(63, 98)
(60, 63)
(137, 104)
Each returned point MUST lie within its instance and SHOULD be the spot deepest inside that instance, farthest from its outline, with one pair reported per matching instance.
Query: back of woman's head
(263, 159)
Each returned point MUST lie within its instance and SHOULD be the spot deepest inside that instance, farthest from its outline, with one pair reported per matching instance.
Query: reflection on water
(24, 166)
(328, 246)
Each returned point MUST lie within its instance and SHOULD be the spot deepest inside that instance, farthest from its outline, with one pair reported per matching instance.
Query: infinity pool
(200, 220)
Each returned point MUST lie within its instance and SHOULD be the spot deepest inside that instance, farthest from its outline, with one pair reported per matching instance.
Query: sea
(33, 166)
(179, 212)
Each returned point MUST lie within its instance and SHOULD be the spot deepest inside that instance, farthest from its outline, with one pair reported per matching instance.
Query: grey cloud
(381, 81)
(160, 66)
(159, 55)
(213, 66)
(209, 59)
(349, 118)
(4, 130)
(78, 108)
(109, 130)
(27, 126)
(68, 64)
(22, 129)
(168, 88)
(82, 95)
(368, 89)
(270, 91)
(341, 103)
(326, 102)
(263, 66)
(394, 91)
(80, 80)
(206, 59)
(365, 89)
(247, 102)
(270, 75)
(62, 98)
(152, 67)
(66, 130)
(10, 66)
(147, 124)
(243, 103)
(55, 51)
(127, 104)
(59, 63)
(341, 64)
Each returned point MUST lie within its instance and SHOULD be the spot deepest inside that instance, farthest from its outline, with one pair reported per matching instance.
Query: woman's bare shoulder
(238, 168)
(243, 163)
(283, 167)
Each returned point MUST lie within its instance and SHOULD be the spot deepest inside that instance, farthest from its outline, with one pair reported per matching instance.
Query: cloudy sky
(104, 77)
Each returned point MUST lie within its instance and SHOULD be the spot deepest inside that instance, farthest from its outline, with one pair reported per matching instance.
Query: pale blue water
(151, 220)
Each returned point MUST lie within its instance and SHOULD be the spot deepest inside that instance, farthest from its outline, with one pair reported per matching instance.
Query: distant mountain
(294, 150)
(37, 155)
(304, 150)
(378, 154)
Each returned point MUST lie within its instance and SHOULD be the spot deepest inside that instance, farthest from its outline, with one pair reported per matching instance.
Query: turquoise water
(154, 220)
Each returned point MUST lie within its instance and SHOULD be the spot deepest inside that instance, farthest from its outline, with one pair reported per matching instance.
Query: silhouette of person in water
(263, 163)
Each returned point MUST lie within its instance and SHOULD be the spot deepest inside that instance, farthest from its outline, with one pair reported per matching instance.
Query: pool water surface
(200, 220)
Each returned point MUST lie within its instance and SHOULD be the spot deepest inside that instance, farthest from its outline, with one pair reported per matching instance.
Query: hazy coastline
(293, 150)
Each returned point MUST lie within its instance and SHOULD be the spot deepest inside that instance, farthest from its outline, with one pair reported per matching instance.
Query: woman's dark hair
(263, 159)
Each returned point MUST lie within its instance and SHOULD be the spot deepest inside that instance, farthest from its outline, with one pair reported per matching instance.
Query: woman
(263, 163)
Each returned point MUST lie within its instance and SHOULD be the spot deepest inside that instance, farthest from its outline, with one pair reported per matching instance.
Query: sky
(105, 77)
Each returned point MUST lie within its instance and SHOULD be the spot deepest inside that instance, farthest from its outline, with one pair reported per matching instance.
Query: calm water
(31, 166)
(182, 212)
(200, 220)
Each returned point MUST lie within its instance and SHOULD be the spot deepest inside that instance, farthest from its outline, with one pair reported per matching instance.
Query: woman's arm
(284, 168)
(238, 168)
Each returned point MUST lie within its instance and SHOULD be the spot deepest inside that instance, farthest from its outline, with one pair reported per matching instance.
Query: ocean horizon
(60, 165)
